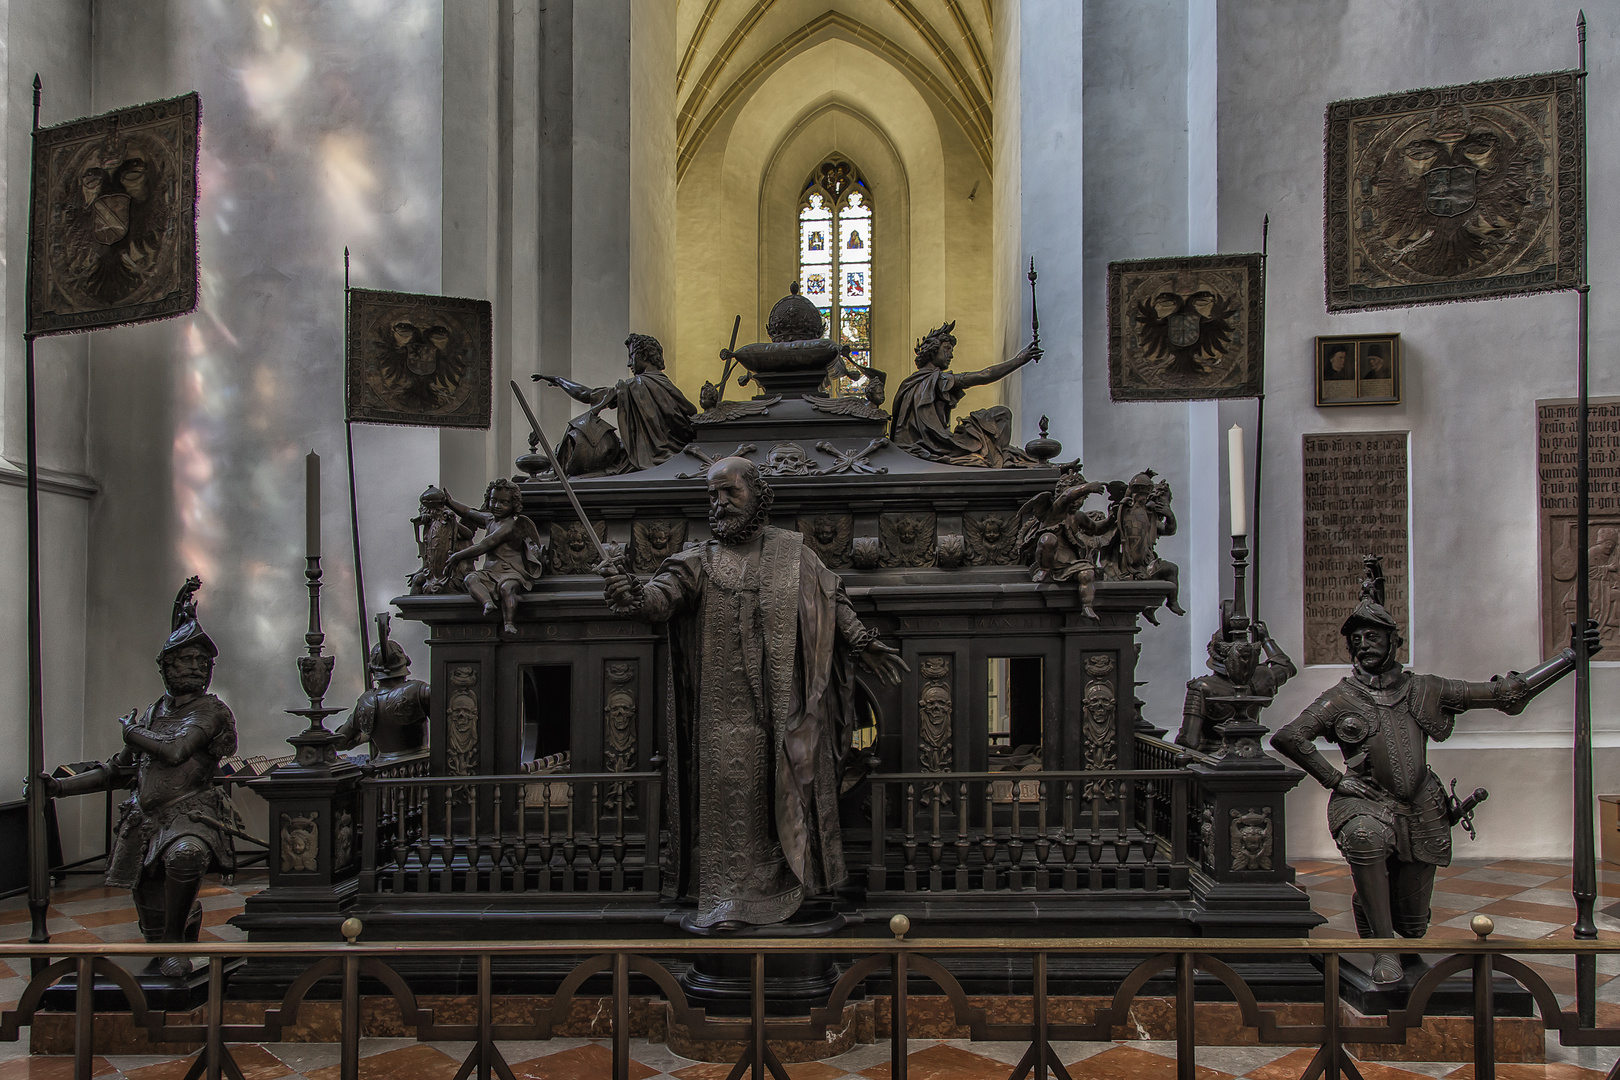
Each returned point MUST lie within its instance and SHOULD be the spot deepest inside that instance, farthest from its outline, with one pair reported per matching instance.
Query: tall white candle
(312, 505)
(1237, 485)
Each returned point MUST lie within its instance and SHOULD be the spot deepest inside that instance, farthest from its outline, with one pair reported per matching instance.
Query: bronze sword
(608, 562)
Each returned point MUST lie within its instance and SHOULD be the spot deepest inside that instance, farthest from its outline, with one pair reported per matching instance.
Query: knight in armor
(1140, 515)
(1388, 813)
(392, 716)
(1244, 661)
(174, 827)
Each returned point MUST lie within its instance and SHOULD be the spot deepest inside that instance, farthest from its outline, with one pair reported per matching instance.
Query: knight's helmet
(1371, 610)
(388, 659)
(185, 630)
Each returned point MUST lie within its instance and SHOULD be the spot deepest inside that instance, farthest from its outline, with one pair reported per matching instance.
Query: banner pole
(1584, 876)
(39, 876)
(1259, 430)
(354, 502)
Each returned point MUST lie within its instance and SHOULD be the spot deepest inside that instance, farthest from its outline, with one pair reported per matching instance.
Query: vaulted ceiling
(727, 46)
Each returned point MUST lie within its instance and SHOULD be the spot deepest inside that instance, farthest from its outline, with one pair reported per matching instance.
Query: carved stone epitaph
(907, 539)
(461, 721)
(619, 728)
(1555, 457)
(1355, 503)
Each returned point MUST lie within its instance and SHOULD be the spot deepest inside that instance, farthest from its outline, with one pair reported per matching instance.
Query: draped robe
(761, 642)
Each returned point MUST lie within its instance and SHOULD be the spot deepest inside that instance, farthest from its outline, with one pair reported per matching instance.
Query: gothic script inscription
(1355, 505)
(1555, 470)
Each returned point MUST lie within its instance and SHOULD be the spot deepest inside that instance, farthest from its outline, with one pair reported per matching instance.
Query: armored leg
(184, 863)
(148, 896)
(1367, 844)
(1410, 890)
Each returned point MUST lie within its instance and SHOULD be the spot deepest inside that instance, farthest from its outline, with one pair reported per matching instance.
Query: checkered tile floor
(1527, 899)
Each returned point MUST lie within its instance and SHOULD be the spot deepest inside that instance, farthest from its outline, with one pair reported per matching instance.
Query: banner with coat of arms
(115, 218)
(1188, 328)
(421, 360)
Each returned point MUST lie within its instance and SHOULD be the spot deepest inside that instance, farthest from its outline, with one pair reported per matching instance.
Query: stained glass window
(835, 257)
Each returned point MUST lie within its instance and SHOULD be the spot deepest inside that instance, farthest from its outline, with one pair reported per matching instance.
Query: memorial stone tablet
(1555, 471)
(1355, 505)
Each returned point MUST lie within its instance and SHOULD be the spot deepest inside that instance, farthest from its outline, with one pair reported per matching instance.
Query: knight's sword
(562, 478)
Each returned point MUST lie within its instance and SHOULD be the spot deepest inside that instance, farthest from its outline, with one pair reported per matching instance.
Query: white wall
(198, 426)
(52, 40)
(1473, 373)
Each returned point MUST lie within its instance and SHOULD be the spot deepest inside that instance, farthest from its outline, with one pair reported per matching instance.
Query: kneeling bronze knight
(1389, 814)
(175, 826)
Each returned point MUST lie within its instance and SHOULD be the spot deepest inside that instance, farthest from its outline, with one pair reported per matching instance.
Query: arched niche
(738, 201)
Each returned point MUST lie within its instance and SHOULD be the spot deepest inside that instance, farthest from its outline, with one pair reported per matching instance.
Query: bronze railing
(1170, 803)
(900, 963)
(1099, 831)
(572, 832)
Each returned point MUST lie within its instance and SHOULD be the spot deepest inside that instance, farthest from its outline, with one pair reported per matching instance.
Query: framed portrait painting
(1358, 370)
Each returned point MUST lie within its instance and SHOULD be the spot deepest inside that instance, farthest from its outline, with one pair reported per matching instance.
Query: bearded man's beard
(739, 528)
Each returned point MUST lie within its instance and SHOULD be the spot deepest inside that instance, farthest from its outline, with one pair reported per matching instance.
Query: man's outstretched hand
(884, 661)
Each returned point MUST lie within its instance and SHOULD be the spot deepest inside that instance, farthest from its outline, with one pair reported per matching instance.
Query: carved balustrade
(1097, 831)
(511, 834)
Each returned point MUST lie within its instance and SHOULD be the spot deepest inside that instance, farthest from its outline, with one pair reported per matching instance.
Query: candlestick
(1236, 485)
(312, 505)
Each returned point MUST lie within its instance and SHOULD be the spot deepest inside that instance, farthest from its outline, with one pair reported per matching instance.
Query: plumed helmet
(794, 318)
(388, 659)
(1370, 611)
(185, 630)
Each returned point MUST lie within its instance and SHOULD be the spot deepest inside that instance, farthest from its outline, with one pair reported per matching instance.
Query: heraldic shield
(115, 218)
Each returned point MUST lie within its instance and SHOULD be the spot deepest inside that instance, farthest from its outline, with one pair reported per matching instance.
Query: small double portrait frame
(1358, 369)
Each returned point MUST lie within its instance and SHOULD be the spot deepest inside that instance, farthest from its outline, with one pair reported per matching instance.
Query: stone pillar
(1245, 886)
(559, 180)
(314, 857)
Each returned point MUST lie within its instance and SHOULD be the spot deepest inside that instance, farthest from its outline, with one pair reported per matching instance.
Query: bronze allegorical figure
(925, 399)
